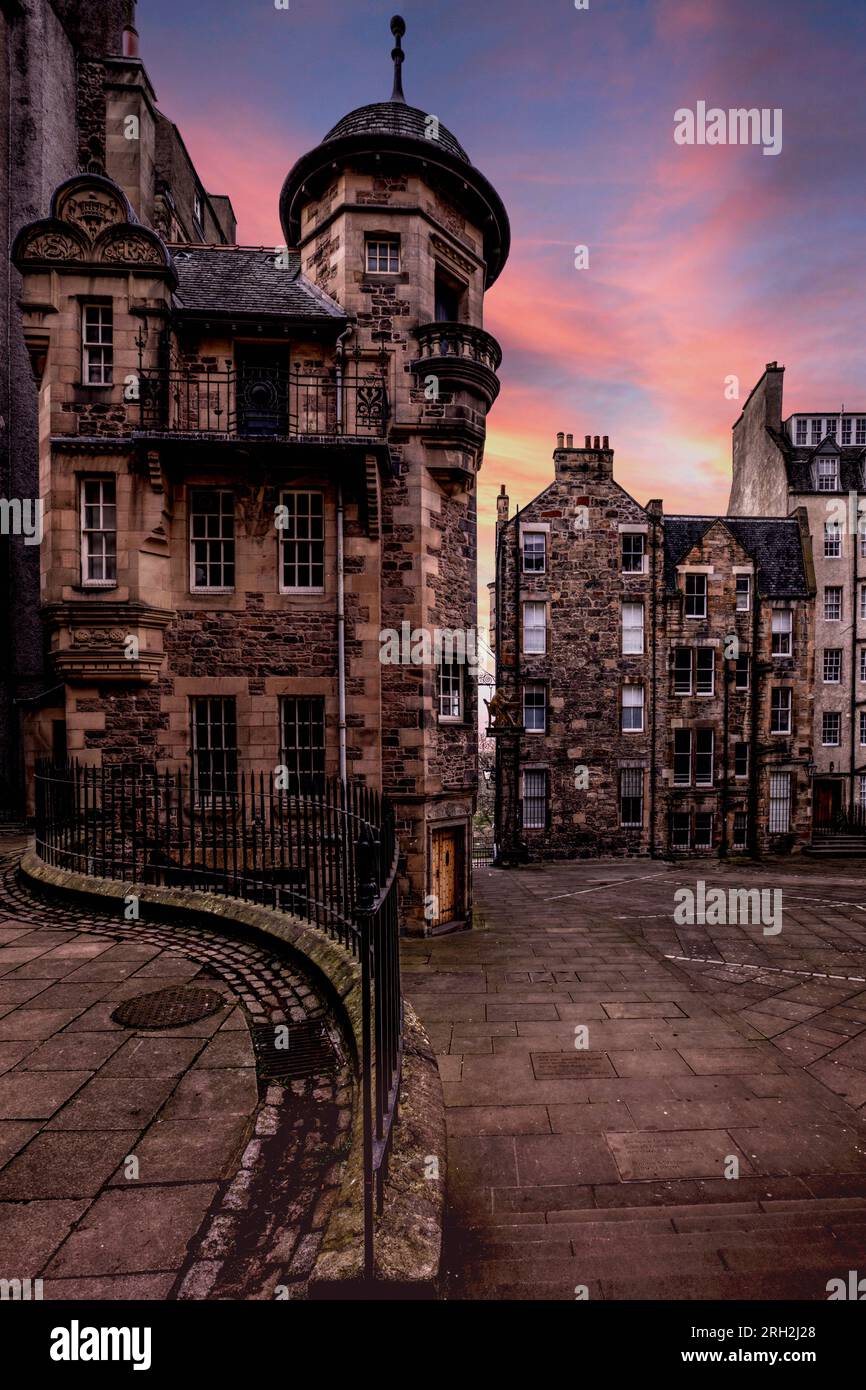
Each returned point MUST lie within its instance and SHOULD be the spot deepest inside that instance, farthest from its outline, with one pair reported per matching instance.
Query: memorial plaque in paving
(570, 1066)
(168, 1008)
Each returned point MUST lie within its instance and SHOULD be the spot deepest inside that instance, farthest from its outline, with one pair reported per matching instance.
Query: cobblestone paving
(604, 1169)
(235, 1178)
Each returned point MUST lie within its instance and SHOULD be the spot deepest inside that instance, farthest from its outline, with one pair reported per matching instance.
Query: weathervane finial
(398, 29)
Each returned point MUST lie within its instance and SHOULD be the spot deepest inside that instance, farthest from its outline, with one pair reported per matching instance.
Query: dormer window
(383, 255)
(197, 208)
(827, 474)
(815, 425)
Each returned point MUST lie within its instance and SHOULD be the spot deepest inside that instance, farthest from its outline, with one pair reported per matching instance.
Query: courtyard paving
(706, 1142)
(154, 1164)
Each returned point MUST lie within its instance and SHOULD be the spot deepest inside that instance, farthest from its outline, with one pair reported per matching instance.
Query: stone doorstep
(409, 1234)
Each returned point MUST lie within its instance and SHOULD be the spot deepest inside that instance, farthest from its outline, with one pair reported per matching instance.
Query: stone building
(654, 674)
(814, 461)
(258, 467)
(74, 96)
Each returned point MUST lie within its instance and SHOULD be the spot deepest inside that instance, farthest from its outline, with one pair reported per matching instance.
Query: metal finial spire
(398, 29)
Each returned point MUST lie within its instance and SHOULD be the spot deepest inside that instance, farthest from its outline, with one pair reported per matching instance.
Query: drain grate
(290, 1051)
(168, 1008)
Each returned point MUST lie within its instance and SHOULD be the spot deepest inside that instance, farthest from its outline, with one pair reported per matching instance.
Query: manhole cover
(290, 1051)
(168, 1008)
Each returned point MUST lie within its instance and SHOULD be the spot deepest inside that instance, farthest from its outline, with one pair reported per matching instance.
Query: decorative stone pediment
(92, 224)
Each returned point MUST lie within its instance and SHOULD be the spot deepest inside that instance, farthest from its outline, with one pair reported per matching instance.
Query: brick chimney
(595, 459)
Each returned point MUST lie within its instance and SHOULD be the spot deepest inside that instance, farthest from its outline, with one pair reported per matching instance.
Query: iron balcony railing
(327, 854)
(250, 401)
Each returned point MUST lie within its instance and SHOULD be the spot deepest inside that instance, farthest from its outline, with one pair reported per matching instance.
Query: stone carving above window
(91, 209)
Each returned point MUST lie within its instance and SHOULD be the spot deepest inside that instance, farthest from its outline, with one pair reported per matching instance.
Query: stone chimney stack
(502, 507)
(655, 507)
(595, 459)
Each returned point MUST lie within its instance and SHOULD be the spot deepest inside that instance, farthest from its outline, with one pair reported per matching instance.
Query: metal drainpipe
(653, 689)
(855, 610)
(754, 769)
(341, 579)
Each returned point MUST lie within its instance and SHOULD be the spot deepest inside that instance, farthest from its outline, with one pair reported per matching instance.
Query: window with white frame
(632, 709)
(534, 552)
(742, 672)
(705, 671)
(863, 728)
(831, 728)
(682, 757)
(827, 474)
(302, 542)
(302, 741)
(802, 429)
(783, 624)
(741, 760)
(780, 803)
(780, 709)
(704, 757)
(214, 744)
(211, 539)
(197, 207)
(632, 628)
(682, 670)
(695, 588)
(383, 255)
(815, 427)
(741, 829)
(832, 540)
(833, 603)
(534, 627)
(863, 663)
(681, 830)
(99, 532)
(633, 551)
(535, 708)
(860, 429)
(631, 796)
(703, 830)
(847, 422)
(97, 344)
(863, 602)
(744, 593)
(863, 540)
(862, 789)
(449, 690)
(534, 799)
(832, 665)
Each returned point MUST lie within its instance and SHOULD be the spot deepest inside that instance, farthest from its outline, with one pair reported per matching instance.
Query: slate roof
(773, 542)
(395, 118)
(851, 469)
(238, 280)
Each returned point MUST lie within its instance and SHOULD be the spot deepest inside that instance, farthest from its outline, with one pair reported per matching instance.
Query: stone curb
(409, 1233)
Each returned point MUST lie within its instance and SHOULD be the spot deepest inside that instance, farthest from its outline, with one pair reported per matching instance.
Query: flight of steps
(729, 1250)
(838, 846)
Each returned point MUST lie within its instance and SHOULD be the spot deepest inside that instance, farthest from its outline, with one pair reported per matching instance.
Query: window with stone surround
(682, 670)
(833, 603)
(302, 741)
(703, 830)
(743, 670)
(631, 796)
(682, 757)
(863, 602)
(99, 532)
(681, 830)
(832, 540)
(744, 593)
(535, 628)
(705, 671)
(741, 760)
(534, 552)
(705, 743)
(695, 587)
(780, 803)
(211, 540)
(863, 728)
(535, 708)
(780, 709)
(632, 628)
(382, 255)
(832, 665)
(633, 551)
(863, 663)
(831, 728)
(783, 624)
(97, 344)
(449, 690)
(741, 829)
(632, 709)
(533, 802)
(214, 745)
(302, 542)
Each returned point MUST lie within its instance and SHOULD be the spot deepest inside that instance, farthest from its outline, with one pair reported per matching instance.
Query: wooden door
(446, 880)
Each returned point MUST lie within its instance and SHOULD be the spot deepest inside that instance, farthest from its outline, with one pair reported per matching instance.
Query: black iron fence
(845, 820)
(265, 400)
(327, 855)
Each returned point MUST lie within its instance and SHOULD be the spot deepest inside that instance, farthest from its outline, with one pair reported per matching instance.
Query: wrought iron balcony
(266, 401)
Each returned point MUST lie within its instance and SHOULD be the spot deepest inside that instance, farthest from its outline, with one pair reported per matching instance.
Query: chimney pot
(560, 439)
(569, 441)
(605, 442)
(587, 442)
(595, 442)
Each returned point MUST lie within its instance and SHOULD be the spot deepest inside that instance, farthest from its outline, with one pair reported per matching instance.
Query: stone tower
(394, 223)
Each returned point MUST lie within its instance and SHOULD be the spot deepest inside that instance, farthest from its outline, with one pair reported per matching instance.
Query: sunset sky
(705, 262)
